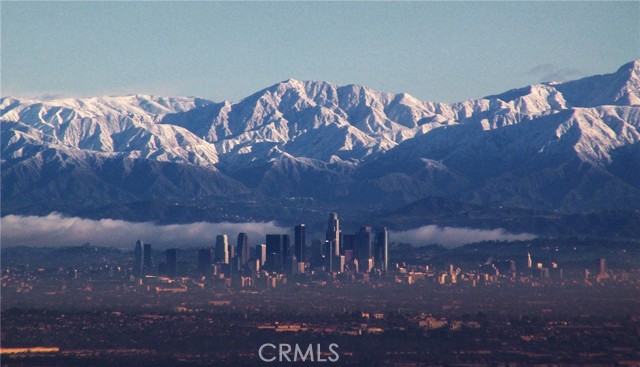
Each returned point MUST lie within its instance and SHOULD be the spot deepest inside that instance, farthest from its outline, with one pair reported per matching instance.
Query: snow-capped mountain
(566, 146)
(110, 126)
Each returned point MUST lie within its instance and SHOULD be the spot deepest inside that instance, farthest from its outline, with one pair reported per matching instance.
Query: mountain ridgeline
(570, 147)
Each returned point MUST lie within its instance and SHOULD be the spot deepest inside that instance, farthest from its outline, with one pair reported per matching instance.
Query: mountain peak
(633, 67)
(295, 83)
(621, 88)
(290, 82)
(301, 87)
(330, 142)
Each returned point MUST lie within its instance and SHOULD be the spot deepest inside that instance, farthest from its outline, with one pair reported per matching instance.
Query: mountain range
(555, 147)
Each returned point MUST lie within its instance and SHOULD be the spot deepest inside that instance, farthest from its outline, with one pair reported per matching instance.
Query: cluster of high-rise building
(362, 252)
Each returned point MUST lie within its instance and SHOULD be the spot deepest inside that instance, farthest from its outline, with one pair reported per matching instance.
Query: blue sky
(436, 51)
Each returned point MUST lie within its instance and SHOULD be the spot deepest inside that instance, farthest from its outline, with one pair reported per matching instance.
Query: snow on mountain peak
(313, 119)
(124, 125)
(633, 67)
(309, 137)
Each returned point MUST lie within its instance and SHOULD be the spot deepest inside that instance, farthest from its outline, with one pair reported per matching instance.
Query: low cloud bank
(553, 72)
(58, 230)
(453, 236)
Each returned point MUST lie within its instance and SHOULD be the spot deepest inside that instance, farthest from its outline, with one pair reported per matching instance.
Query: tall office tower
(363, 248)
(348, 256)
(299, 242)
(529, 261)
(261, 253)
(333, 231)
(172, 261)
(205, 260)
(287, 252)
(317, 255)
(243, 249)
(382, 248)
(234, 266)
(603, 266)
(286, 247)
(137, 261)
(147, 255)
(275, 252)
(348, 242)
(328, 253)
(222, 249)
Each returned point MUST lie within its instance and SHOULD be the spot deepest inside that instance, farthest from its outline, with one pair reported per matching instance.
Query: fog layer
(58, 230)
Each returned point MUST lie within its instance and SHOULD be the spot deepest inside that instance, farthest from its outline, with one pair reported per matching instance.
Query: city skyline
(365, 251)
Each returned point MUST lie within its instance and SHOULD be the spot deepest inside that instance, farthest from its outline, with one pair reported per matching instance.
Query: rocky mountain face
(568, 147)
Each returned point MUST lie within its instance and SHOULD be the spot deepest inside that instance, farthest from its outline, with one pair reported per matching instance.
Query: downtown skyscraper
(363, 245)
(205, 259)
(138, 264)
(333, 233)
(381, 249)
(300, 242)
(222, 249)
(242, 249)
(147, 256)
